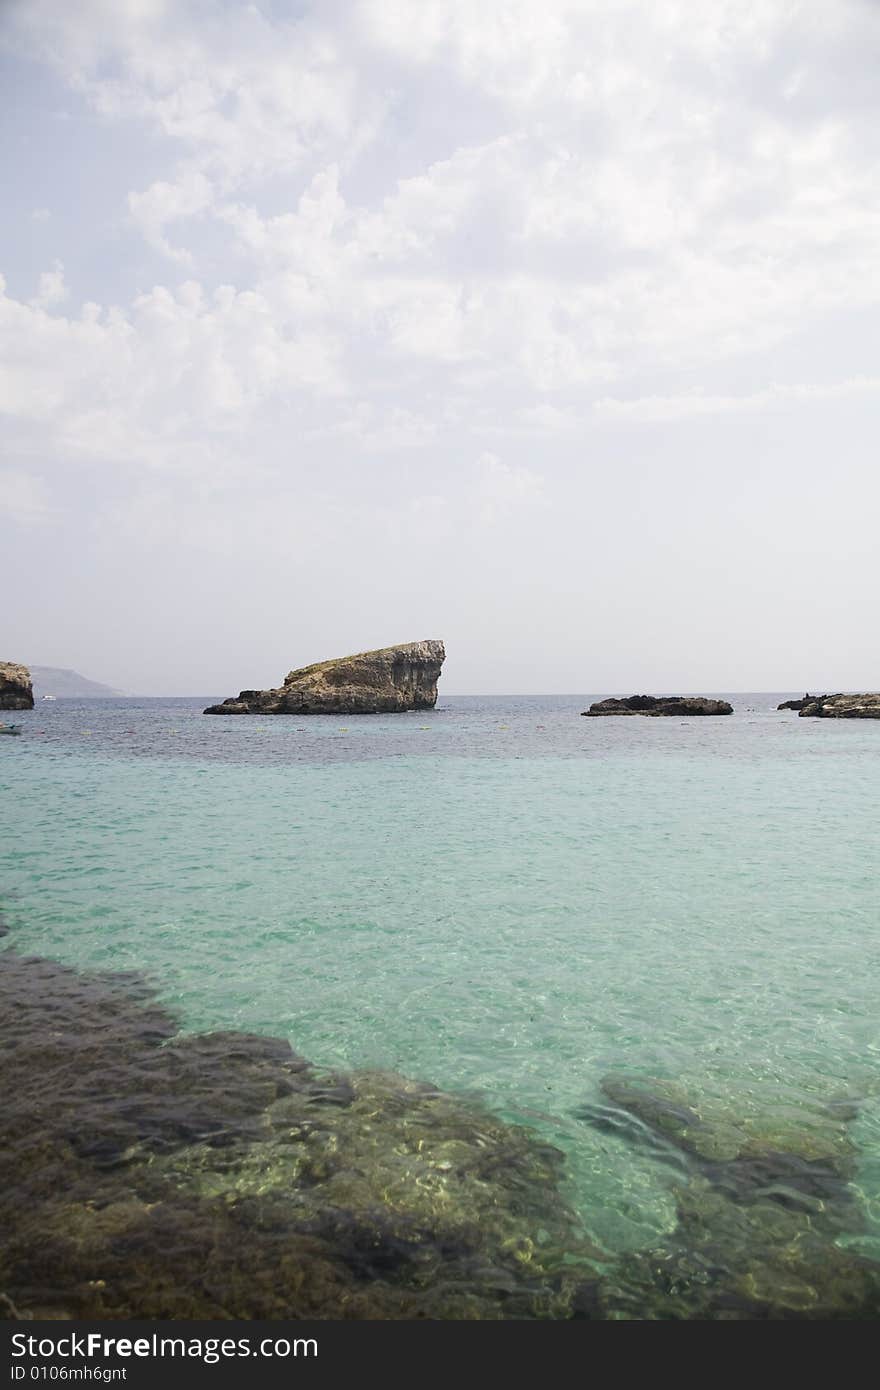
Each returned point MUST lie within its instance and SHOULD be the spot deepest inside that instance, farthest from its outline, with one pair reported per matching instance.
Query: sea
(527, 909)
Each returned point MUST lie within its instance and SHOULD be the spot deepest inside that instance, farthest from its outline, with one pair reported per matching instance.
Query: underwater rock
(718, 1130)
(758, 1217)
(387, 681)
(843, 707)
(16, 688)
(659, 705)
(147, 1173)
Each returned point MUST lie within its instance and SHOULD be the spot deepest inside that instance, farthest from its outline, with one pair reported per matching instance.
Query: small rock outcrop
(843, 707)
(16, 687)
(388, 681)
(799, 704)
(660, 704)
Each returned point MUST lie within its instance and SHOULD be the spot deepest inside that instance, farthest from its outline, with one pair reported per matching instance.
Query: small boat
(48, 697)
(10, 729)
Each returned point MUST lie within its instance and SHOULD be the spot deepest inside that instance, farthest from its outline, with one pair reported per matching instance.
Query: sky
(550, 330)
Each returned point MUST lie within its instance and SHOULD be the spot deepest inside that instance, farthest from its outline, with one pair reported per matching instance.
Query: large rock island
(843, 707)
(16, 689)
(387, 681)
(660, 704)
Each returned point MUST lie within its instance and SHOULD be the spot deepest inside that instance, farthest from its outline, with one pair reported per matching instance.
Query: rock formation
(386, 681)
(16, 689)
(799, 704)
(660, 704)
(843, 707)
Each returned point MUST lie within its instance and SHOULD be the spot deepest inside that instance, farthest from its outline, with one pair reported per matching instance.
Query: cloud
(156, 383)
(52, 289)
(668, 409)
(24, 498)
(501, 489)
(385, 227)
(163, 204)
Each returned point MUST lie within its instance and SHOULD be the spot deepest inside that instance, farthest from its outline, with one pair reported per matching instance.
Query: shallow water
(498, 897)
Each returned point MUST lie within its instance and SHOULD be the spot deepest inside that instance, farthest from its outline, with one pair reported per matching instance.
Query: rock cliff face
(387, 681)
(16, 689)
(799, 704)
(660, 704)
(843, 707)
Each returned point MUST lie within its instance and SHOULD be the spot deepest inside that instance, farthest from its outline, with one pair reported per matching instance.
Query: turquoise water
(499, 897)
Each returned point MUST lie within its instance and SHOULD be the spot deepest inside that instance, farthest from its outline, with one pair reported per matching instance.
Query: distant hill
(52, 680)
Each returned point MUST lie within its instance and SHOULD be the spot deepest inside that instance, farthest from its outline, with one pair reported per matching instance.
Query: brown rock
(16, 687)
(387, 681)
(660, 704)
(799, 704)
(843, 707)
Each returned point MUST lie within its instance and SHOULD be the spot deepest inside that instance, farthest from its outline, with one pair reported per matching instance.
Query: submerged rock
(765, 1196)
(146, 1173)
(16, 687)
(660, 704)
(799, 704)
(387, 681)
(843, 707)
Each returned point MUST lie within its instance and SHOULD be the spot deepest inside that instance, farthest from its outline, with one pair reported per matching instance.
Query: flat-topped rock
(804, 700)
(390, 680)
(659, 704)
(843, 707)
(16, 687)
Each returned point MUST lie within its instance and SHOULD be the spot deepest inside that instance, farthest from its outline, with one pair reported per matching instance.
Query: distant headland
(67, 685)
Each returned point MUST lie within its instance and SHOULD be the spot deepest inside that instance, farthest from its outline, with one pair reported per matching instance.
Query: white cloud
(648, 192)
(660, 409)
(165, 203)
(502, 489)
(24, 498)
(378, 430)
(660, 191)
(52, 289)
(154, 383)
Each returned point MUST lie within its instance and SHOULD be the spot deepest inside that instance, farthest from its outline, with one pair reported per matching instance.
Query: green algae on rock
(388, 681)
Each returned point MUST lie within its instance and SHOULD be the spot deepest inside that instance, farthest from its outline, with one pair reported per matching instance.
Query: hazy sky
(550, 329)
